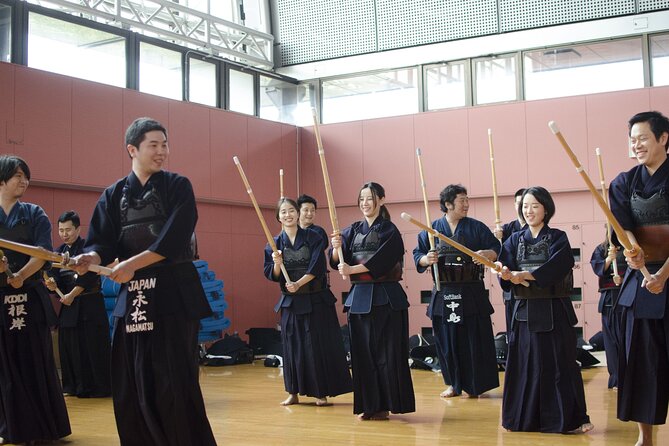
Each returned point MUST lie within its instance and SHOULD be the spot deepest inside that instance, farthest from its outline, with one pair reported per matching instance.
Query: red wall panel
(659, 99)
(343, 148)
(8, 132)
(98, 134)
(44, 108)
(264, 159)
(229, 137)
(389, 156)
(548, 165)
(444, 142)
(507, 124)
(190, 155)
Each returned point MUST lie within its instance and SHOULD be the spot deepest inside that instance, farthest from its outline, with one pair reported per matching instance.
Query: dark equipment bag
(230, 350)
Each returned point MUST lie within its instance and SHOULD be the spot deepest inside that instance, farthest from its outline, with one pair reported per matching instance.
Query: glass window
(495, 79)
(446, 85)
(306, 102)
(284, 102)
(242, 97)
(160, 71)
(659, 59)
(5, 33)
(74, 50)
(255, 15)
(202, 82)
(390, 93)
(582, 69)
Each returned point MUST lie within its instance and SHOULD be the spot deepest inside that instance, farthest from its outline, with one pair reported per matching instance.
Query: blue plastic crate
(215, 322)
(206, 275)
(218, 305)
(206, 336)
(110, 288)
(212, 285)
(201, 264)
(110, 303)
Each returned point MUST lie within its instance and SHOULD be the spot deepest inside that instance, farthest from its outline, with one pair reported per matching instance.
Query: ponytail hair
(383, 212)
(378, 192)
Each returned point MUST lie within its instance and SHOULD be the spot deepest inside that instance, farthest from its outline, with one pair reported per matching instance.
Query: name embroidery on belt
(455, 316)
(17, 310)
(138, 315)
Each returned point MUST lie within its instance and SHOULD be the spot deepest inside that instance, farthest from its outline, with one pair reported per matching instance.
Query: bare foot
(586, 427)
(322, 402)
(645, 435)
(448, 393)
(467, 395)
(292, 399)
(378, 416)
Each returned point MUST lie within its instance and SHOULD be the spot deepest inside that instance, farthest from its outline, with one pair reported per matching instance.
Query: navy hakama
(314, 359)
(378, 319)
(543, 387)
(640, 203)
(643, 387)
(379, 360)
(464, 338)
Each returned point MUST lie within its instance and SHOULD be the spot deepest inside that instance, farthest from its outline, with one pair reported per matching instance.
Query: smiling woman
(314, 361)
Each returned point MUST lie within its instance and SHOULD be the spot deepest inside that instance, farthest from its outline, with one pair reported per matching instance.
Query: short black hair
(9, 165)
(134, 135)
(285, 200)
(658, 123)
(519, 193)
(448, 195)
(304, 198)
(543, 197)
(70, 216)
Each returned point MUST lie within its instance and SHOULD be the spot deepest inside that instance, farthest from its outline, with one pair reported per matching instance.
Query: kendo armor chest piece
(297, 262)
(529, 258)
(455, 266)
(142, 220)
(364, 247)
(651, 218)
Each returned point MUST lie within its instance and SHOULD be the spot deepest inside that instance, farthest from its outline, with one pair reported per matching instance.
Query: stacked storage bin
(110, 290)
(211, 328)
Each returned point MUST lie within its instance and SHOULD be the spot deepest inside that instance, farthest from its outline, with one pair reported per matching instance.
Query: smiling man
(31, 400)
(147, 221)
(460, 311)
(640, 202)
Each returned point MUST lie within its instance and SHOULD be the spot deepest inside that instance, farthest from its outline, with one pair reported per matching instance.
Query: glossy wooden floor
(242, 404)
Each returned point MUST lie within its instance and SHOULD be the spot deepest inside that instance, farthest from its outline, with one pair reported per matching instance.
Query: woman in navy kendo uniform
(543, 387)
(377, 309)
(314, 359)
